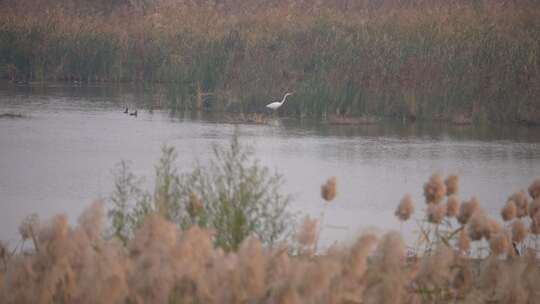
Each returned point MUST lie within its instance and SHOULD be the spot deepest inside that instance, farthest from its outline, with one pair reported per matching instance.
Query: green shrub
(233, 195)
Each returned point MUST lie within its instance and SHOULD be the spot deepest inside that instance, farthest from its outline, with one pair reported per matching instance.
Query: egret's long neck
(284, 98)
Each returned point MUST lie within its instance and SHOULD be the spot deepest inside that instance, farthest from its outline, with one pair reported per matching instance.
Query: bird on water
(133, 113)
(275, 105)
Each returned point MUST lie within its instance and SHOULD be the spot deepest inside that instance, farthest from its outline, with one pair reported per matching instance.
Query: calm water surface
(59, 158)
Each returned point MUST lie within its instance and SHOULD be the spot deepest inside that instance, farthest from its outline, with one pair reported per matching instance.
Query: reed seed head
(499, 243)
(519, 231)
(452, 184)
(434, 189)
(481, 226)
(405, 208)
(436, 213)
(309, 232)
(329, 189)
(509, 211)
(522, 203)
(534, 207)
(534, 188)
(467, 209)
(535, 224)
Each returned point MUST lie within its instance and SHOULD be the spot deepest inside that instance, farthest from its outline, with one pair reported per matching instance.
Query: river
(58, 157)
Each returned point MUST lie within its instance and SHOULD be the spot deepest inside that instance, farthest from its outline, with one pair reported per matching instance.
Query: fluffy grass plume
(405, 208)
(329, 189)
(509, 211)
(467, 209)
(434, 189)
(522, 203)
(452, 184)
(165, 263)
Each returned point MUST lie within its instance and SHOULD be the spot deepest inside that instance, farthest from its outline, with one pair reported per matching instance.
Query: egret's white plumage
(277, 104)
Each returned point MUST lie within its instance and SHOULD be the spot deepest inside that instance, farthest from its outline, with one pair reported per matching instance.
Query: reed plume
(499, 243)
(405, 208)
(467, 209)
(519, 231)
(452, 184)
(308, 234)
(329, 189)
(522, 203)
(509, 211)
(434, 189)
(534, 188)
(534, 207)
(167, 263)
(436, 213)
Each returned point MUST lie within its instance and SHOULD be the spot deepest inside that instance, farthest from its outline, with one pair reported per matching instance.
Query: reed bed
(462, 256)
(461, 61)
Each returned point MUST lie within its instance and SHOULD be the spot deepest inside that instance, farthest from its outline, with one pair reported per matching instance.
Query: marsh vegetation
(174, 251)
(459, 61)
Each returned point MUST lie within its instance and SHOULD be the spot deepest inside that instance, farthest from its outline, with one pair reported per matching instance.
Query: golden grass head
(309, 232)
(435, 213)
(405, 208)
(434, 189)
(499, 243)
(534, 188)
(522, 203)
(477, 226)
(92, 219)
(57, 228)
(391, 251)
(494, 227)
(509, 211)
(452, 184)
(452, 205)
(329, 189)
(359, 254)
(519, 231)
(535, 224)
(467, 209)
(481, 226)
(534, 207)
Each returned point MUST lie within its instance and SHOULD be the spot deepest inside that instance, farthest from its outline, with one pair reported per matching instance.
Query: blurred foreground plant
(233, 195)
(162, 262)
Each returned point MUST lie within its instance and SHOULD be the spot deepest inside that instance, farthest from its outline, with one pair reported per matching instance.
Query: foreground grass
(462, 256)
(462, 61)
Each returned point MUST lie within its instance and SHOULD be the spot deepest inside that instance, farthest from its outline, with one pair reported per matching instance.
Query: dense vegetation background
(410, 59)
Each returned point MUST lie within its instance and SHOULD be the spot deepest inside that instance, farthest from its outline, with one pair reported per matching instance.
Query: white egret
(275, 105)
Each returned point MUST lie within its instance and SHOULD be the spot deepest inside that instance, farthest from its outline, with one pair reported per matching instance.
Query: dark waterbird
(126, 110)
(133, 113)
